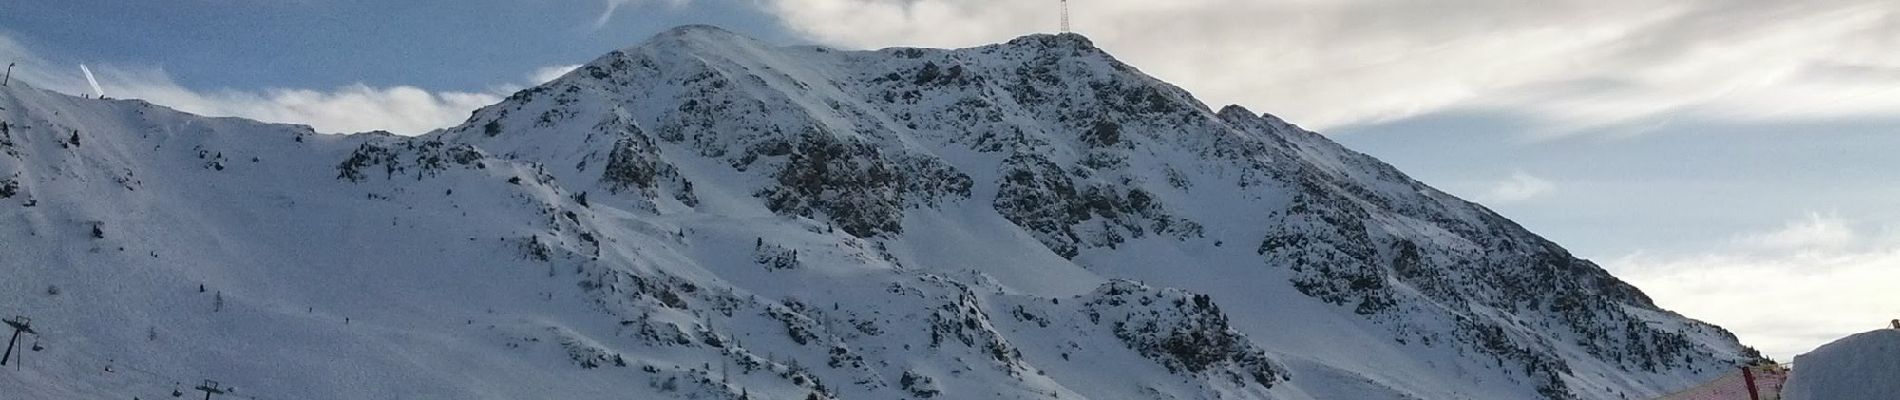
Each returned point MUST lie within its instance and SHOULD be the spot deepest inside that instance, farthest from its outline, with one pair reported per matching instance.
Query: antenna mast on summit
(1065, 16)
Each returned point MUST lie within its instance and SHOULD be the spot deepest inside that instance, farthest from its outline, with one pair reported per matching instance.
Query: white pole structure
(1065, 16)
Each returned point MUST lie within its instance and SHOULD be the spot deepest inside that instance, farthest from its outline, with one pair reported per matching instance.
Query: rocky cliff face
(707, 216)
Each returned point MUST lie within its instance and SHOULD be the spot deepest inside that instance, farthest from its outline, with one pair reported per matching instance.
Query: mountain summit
(707, 216)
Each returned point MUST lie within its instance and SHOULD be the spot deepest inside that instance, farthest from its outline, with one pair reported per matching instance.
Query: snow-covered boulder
(1865, 366)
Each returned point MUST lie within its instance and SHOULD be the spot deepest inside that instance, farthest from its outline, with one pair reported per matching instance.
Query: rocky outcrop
(1184, 332)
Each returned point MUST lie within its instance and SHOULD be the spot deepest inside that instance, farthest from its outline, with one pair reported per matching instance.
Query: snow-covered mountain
(706, 216)
(1858, 367)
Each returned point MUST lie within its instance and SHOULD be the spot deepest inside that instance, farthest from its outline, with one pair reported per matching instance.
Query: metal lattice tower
(1065, 16)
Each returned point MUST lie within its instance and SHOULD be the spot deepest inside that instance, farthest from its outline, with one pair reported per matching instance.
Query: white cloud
(1817, 232)
(1576, 63)
(1785, 291)
(347, 109)
(1520, 186)
(546, 74)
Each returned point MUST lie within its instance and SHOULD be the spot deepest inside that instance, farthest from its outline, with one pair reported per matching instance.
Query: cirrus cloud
(1579, 65)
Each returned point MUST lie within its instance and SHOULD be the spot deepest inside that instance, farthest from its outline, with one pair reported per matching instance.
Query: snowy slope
(1865, 366)
(706, 216)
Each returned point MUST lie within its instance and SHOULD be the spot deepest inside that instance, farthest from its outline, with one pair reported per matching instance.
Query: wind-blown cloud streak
(1520, 186)
(546, 74)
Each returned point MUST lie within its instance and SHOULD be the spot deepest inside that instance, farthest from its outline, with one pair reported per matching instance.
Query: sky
(1733, 158)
